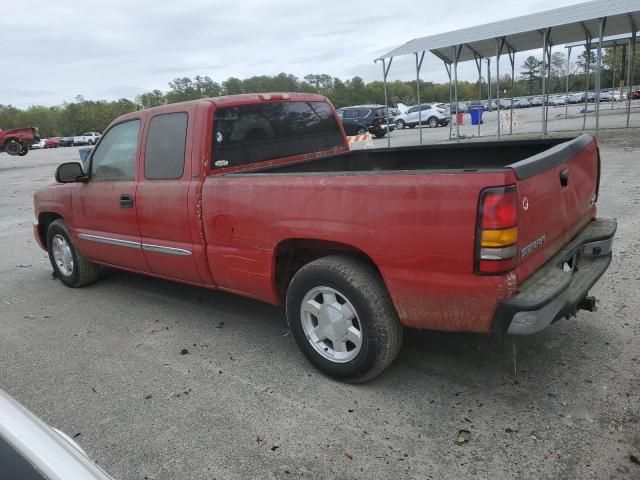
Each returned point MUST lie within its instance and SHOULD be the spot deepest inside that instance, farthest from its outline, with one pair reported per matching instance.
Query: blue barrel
(476, 115)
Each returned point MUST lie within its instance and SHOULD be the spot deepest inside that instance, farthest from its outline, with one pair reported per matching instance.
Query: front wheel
(380, 135)
(24, 151)
(400, 124)
(342, 318)
(69, 265)
(13, 147)
(362, 130)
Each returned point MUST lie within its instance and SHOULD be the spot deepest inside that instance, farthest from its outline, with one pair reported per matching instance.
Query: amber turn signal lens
(499, 238)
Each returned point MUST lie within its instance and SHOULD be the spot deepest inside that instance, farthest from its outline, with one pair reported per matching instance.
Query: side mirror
(70, 172)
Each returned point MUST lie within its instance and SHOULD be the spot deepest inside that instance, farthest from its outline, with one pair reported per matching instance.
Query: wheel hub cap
(61, 251)
(331, 324)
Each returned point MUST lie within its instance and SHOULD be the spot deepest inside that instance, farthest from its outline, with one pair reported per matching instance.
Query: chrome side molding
(168, 250)
(110, 241)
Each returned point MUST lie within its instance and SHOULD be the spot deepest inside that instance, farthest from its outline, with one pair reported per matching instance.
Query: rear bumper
(556, 289)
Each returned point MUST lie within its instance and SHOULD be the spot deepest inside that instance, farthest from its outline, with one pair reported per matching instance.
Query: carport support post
(499, 45)
(603, 22)
(587, 73)
(545, 49)
(385, 72)
(566, 95)
(630, 71)
(613, 76)
(512, 59)
(489, 80)
(447, 67)
(456, 51)
(478, 60)
(418, 67)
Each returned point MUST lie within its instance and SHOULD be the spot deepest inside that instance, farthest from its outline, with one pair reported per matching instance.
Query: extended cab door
(166, 195)
(105, 207)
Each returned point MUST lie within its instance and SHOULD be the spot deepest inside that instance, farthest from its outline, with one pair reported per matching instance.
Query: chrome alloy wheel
(61, 251)
(331, 324)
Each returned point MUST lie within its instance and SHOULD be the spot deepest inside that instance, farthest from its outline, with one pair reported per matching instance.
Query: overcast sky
(55, 50)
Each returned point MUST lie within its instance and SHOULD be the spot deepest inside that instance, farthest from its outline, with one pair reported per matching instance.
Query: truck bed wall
(468, 156)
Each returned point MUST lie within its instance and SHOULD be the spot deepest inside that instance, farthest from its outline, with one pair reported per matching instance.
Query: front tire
(13, 147)
(362, 130)
(23, 152)
(342, 318)
(69, 265)
(400, 124)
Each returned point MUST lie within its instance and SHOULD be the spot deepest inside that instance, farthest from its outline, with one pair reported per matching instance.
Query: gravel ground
(104, 364)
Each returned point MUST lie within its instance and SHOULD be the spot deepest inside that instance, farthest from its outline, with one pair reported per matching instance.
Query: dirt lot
(103, 364)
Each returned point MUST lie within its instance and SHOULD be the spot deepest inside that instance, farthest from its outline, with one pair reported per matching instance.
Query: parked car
(521, 103)
(429, 113)
(361, 119)
(18, 140)
(574, 98)
(66, 142)
(38, 145)
(557, 100)
(53, 142)
(32, 450)
(259, 195)
(635, 95)
(535, 101)
(88, 138)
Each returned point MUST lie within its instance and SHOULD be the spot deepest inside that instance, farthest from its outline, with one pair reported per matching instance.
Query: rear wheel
(380, 134)
(13, 147)
(70, 266)
(400, 124)
(24, 151)
(342, 318)
(433, 122)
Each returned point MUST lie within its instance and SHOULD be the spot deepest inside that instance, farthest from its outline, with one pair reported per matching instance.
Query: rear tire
(69, 265)
(342, 318)
(24, 151)
(433, 122)
(380, 135)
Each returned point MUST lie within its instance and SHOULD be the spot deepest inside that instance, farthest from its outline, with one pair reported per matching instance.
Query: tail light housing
(497, 231)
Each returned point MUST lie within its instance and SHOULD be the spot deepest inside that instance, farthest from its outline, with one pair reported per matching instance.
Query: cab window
(164, 155)
(114, 159)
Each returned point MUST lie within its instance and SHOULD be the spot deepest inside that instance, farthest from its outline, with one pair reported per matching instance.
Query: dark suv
(361, 119)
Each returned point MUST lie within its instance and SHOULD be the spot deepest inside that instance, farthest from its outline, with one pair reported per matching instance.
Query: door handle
(564, 178)
(126, 201)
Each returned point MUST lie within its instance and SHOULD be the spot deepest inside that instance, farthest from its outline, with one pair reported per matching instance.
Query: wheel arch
(291, 254)
(44, 220)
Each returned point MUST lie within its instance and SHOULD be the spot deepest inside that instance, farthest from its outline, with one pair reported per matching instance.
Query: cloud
(122, 48)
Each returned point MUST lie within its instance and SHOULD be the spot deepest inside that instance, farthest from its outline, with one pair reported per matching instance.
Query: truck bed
(467, 157)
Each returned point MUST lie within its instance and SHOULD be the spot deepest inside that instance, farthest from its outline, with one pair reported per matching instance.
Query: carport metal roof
(567, 24)
(607, 42)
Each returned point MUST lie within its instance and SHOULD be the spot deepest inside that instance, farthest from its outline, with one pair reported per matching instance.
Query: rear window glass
(265, 131)
(164, 155)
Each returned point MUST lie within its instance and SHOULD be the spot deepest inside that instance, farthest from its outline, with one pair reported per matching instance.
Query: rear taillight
(497, 232)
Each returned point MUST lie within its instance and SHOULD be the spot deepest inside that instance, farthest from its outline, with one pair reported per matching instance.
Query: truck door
(104, 207)
(166, 205)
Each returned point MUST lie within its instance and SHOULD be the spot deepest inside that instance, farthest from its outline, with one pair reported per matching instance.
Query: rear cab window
(258, 132)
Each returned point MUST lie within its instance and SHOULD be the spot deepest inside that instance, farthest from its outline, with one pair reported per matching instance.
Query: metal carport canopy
(568, 24)
(615, 41)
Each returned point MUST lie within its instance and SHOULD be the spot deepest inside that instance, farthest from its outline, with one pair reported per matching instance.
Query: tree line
(81, 115)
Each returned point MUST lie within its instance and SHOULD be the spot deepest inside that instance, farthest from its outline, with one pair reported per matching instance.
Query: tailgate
(557, 191)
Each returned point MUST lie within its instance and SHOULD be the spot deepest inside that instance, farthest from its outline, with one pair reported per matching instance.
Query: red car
(53, 142)
(18, 140)
(259, 195)
(635, 95)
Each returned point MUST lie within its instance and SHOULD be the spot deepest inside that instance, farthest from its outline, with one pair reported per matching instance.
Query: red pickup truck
(259, 195)
(18, 140)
